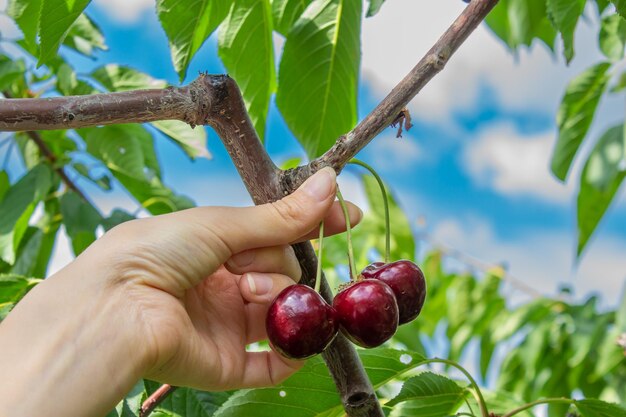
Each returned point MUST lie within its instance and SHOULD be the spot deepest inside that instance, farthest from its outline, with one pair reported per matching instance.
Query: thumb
(279, 223)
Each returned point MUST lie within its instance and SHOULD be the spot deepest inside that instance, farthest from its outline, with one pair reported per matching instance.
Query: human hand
(174, 298)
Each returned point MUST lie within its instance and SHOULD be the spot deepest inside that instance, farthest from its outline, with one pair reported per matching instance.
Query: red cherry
(367, 312)
(300, 323)
(407, 282)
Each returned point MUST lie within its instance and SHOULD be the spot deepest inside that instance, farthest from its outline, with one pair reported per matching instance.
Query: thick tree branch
(348, 145)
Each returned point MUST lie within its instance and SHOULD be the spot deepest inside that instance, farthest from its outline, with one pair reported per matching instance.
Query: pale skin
(173, 298)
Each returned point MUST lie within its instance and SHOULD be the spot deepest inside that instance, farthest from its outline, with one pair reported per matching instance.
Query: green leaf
(10, 71)
(311, 391)
(620, 7)
(318, 78)
(103, 181)
(85, 36)
(245, 41)
(602, 5)
(26, 14)
(374, 7)
(188, 402)
(5, 184)
(519, 22)
(80, 219)
(597, 408)
(577, 110)
(613, 37)
(192, 140)
(601, 178)
(564, 15)
(118, 216)
(17, 206)
(286, 12)
(12, 288)
(427, 395)
(57, 17)
(115, 77)
(130, 405)
(188, 24)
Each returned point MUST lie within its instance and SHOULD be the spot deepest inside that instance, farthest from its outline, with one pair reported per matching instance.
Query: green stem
(320, 251)
(348, 235)
(383, 191)
(538, 402)
(477, 393)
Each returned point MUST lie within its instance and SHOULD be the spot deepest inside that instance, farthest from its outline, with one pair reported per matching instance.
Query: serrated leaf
(519, 22)
(596, 408)
(286, 12)
(575, 115)
(245, 41)
(620, 7)
(17, 206)
(427, 395)
(311, 391)
(564, 15)
(57, 17)
(84, 36)
(188, 402)
(80, 219)
(115, 77)
(192, 140)
(12, 288)
(26, 14)
(11, 70)
(599, 181)
(318, 78)
(188, 24)
(612, 37)
(374, 7)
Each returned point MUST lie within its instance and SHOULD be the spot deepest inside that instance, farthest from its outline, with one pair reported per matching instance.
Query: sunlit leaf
(374, 7)
(318, 78)
(115, 77)
(597, 408)
(245, 41)
(57, 17)
(613, 37)
(12, 288)
(26, 14)
(286, 12)
(564, 15)
(188, 24)
(85, 36)
(427, 395)
(188, 402)
(599, 181)
(577, 110)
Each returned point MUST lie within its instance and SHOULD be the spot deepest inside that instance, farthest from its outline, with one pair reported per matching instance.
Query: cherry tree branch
(391, 107)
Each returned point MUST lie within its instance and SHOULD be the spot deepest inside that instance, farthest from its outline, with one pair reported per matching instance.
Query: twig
(50, 156)
(155, 399)
(388, 110)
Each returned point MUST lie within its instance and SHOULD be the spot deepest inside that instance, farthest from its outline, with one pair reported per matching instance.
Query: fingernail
(320, 185)
(259, 284)
(241, 259)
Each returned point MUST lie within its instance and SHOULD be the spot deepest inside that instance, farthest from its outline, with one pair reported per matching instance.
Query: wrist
(67, 349)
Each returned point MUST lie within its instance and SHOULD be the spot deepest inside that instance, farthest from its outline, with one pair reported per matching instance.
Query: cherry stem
(538, 402)
(476, 390)
(342, 203)
(383, 191)
(320, 250)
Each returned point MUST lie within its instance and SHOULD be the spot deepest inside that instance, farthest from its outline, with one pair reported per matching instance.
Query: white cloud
(514, 164)
(542, 259)
(404, 30)
(125, 11)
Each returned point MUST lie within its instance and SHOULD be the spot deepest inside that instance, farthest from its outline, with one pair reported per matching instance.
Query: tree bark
(216, 101)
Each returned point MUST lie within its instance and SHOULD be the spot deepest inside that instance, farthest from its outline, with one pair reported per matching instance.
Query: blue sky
(474, 166)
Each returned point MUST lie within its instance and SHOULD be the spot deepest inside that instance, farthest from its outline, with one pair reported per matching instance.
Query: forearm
(63, 350)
